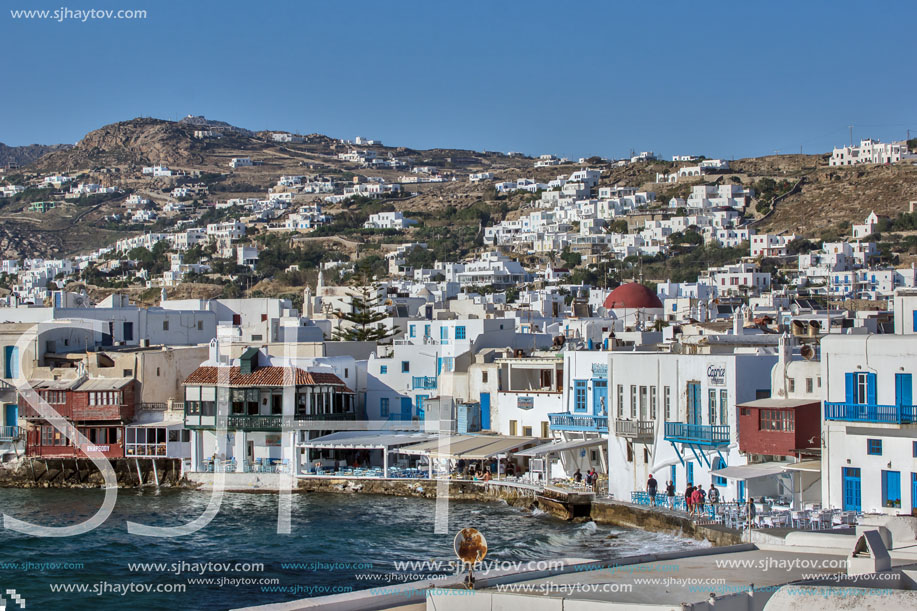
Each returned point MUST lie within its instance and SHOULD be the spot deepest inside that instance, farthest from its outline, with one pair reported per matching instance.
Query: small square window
(484, 381)
(165, 325)
(383, 369)
(874, 447)
(405, 366)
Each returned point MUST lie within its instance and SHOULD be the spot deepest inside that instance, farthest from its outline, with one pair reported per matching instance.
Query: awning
(364, 440)
(779, 403)
(471, 447)
(812, 466)
(499, 446)
(561, 446)
(744, 472)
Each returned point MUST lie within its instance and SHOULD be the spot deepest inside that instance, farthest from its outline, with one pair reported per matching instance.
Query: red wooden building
(98, 408)
(780, 427)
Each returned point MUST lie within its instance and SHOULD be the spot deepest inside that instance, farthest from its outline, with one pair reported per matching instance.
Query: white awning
(812, 466)
(745, 472)
(365, 440)
(561, 446)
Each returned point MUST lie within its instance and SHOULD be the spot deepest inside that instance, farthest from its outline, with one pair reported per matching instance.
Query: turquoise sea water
(337, 542)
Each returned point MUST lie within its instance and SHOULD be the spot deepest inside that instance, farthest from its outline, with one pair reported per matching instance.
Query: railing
(336, 417)
(645, 429)
(577, 422)
(424, 383)
(254, 423)
(154, 407)
(4, 385)
(855, 412)
(662, 500)
(9, 433)
(705, 434)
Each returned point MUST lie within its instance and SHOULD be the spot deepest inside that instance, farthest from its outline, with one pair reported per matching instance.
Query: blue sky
(727, 79)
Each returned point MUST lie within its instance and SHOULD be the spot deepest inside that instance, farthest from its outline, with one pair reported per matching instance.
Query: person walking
(700, 498)
(713, 497)
(689, 501)
(651, 486)
(670, 494)
(752, 512)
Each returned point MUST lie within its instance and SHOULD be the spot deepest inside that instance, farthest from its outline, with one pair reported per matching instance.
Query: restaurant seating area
(769, 513)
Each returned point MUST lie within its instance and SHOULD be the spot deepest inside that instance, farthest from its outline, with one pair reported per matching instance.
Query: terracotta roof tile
(265, 376)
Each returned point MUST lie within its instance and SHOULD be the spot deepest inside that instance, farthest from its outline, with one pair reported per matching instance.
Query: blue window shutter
(850, 380)
(903, 389)
(870, 389)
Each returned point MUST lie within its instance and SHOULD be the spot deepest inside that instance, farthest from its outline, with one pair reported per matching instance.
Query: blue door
(11, 415)
(903, 389)
(420, 401)
(851, 489)
(913, 492)
(891, 489)
(485, 411)
(10, 361)
(405, 408)
(741, 498)
(694, 409)
(689, 470)
(600, 397)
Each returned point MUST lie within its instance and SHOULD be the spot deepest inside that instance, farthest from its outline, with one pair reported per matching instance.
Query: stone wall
(82, 473)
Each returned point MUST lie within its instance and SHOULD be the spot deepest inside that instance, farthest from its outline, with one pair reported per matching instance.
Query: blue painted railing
(577, 422)
(643, 498)
(855, 412)
(424, 383)
(701, 434)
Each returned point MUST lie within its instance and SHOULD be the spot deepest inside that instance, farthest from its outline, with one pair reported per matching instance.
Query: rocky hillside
(23, 155)
(831, 195)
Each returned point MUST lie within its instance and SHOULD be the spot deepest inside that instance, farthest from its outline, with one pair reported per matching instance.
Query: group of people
(695, 496)
(592, 477)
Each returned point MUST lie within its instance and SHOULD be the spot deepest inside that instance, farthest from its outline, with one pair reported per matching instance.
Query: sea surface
(338, 542)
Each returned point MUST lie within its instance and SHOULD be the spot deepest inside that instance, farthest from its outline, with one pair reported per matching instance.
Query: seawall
(47, 472)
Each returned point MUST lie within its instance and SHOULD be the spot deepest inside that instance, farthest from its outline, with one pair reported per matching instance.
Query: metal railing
(645, 429)
(254, 423)
(855, 412)
(578, 422)
(154, 407)
(9, 433)
(336, 417)
(424, 383)
(704, 434)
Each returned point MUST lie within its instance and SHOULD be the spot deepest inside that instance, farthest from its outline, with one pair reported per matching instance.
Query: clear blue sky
(573, 78)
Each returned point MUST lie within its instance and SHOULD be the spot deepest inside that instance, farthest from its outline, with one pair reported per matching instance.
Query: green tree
(365, 320)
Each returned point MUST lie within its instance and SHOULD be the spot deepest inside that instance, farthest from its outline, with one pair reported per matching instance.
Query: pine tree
(365, 320)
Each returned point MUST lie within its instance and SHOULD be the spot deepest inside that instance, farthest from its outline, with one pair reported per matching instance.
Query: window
(791, 384)
(412, 330)
(620, 400)
(405, 366)
(545, 430)
(126, 373)
(777, 420)
(512, 428)
(383, 407)
(633, 401)
(383, 369)
(579, 395)
(444, 332)
(426, 330)
(689, 466)
(526, 431)
(724, 406)
(165, 325)
(861, 388)
(667, 402)
(891, 489)
(483, 377)
(818, 381)
(915, 449)
(643, 402)
(652, 402)
(711, 406)
(874, 447)
(460, 332)
(810, 386)
(200, 325)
